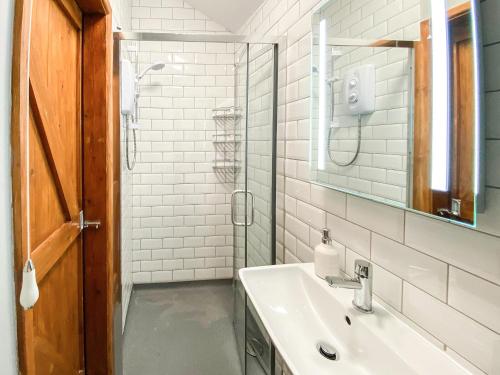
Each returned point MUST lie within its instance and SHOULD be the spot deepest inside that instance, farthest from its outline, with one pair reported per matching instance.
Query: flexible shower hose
(357, 147)
(130, 165)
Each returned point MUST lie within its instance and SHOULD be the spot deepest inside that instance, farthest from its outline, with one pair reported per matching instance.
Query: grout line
(402, 295)
(404, 227)
(486, 45)
(371, 244)
(447, 285)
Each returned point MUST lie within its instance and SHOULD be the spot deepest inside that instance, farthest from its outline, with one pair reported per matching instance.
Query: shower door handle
(233, 202)
(251, 209)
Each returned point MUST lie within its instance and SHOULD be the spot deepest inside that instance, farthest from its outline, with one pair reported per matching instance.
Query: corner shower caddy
(226, 142)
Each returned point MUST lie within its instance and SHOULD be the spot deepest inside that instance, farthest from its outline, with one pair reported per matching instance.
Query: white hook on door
(29, 287)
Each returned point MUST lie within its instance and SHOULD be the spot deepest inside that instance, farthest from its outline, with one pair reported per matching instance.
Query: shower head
(155, 66)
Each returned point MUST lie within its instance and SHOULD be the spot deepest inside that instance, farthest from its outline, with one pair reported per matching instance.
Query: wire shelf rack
(226, 141)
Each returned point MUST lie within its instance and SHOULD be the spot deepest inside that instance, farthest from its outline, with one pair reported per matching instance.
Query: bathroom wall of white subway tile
(181, 225)
(439, 277)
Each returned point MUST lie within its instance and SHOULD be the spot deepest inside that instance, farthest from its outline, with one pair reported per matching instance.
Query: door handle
(252, 208)
(233, 202)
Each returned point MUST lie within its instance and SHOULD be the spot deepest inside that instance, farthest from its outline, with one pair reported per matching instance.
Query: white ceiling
(232, 14)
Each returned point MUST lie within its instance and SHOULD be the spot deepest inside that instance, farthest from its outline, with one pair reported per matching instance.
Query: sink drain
(327, 351)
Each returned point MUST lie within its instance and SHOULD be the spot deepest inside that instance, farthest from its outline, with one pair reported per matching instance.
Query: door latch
(456, 207)
(88, 223)
(455, 211)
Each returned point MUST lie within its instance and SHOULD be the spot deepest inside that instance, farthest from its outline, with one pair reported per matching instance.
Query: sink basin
(300, 311)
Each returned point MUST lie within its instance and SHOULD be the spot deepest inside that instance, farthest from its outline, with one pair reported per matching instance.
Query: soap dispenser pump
(326, 257)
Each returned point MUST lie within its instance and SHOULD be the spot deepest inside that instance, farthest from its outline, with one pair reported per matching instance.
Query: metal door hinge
(88, 223)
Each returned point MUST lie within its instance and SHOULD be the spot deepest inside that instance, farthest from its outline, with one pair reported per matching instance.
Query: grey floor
(181, 329)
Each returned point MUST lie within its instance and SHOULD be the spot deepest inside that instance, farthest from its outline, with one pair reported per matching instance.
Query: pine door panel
(53, 337)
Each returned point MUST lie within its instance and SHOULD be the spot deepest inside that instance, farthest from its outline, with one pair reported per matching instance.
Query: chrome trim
(354, 42)
(342, 282)
(184, 37)
(178, 37)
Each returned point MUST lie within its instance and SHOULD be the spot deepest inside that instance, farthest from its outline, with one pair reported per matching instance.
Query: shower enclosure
(221, 91)
(254, 198)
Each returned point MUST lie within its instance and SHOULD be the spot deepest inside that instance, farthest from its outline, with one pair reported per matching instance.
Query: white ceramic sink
(299, 310)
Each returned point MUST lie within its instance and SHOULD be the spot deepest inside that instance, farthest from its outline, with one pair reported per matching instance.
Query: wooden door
(462, 158)
(52, 336)
(462, 133)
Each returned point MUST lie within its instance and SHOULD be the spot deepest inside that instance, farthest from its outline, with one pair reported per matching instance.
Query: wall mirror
(395, 103)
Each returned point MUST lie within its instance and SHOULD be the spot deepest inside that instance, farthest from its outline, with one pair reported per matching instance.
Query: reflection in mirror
(395, 99)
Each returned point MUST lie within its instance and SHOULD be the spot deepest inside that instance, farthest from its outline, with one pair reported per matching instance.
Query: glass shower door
(260, 185)
(255, 197)
(238, 209)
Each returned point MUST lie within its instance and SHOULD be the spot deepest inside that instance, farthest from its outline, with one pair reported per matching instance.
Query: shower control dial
(359, 90)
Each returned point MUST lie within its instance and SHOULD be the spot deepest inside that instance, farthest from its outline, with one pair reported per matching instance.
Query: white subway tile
(204, 274)
(380, 218)
(419, 269)
(183, 14)
(475, 297)
(141, 277)
(387, 286)
(183, 275)
(328, 199)
(161, 276)
(221, 251)
(298, 189)
(349, 234)
(194, 263)
(297, 228)
(224, 273)
(467, 249)
(304, 252)
(471, 340)
(311, 215)
(215, 262)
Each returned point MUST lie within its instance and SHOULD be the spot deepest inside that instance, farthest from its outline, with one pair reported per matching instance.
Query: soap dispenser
(326, 257)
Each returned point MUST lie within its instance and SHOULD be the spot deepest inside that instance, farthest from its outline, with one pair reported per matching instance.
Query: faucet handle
(363, 269)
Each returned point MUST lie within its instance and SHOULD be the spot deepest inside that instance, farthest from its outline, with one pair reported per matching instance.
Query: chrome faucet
(362, 285)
